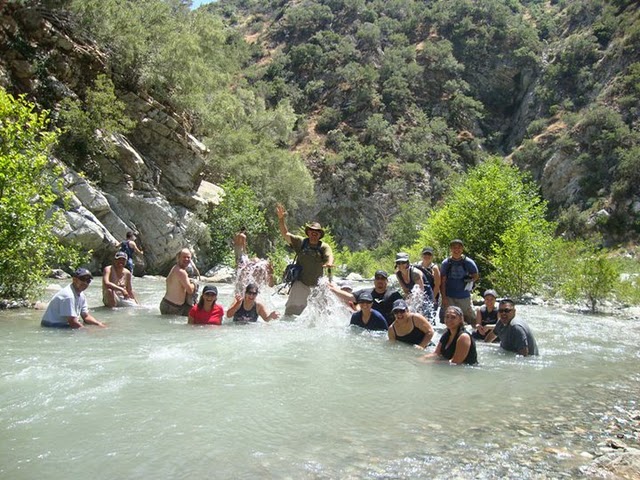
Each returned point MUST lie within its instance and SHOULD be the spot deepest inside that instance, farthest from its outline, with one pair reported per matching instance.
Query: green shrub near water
(594, 278)
(26, 198)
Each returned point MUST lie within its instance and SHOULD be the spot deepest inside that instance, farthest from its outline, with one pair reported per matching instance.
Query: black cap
(365, 297)
(381, 273)
(210, 288)
(82, 272)
(426, 250)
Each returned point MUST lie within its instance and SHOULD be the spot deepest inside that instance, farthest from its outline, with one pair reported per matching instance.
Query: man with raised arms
(180, 288)
(312, 255)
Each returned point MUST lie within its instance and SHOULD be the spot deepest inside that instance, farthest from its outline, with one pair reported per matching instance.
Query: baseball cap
(426, 250)
(491, 292)
(399, 305)
(209, 288)
(381, 273)
(82, 272)
(365, 297)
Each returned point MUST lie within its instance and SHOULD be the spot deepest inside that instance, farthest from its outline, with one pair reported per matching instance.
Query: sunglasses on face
(399, 312)
(86, 280)
(505, 310)
(380, 278)
(210, 294)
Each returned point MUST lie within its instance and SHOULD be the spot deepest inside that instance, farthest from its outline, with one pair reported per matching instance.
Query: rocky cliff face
(152, 186)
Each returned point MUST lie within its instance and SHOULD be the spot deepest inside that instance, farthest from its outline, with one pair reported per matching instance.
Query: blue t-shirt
(455, 271)
(376, 321)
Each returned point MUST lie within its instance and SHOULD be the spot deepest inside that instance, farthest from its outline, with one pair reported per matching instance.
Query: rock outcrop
(150, 186)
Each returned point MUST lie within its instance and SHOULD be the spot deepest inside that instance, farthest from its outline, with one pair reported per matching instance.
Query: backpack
(427, 273)
(464, 265)
(126, 248)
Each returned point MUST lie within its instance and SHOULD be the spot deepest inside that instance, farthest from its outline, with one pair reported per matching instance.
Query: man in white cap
(68, 308)
(117, 289)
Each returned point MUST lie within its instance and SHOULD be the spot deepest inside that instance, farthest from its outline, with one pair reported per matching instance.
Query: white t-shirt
(64, 304)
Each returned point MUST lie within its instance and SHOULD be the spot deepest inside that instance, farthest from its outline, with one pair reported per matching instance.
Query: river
(153, 397)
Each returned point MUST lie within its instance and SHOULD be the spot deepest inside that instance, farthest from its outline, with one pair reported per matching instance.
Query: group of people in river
(378, 308)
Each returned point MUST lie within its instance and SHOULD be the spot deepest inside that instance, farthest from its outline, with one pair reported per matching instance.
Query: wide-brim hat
(314, 226)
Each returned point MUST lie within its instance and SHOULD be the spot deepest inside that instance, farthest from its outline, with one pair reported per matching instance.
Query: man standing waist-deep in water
(312, 255)
(179, 287)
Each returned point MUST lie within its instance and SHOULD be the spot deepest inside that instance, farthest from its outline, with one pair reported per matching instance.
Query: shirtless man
(179, 287)
(240, 246)
(117, 290)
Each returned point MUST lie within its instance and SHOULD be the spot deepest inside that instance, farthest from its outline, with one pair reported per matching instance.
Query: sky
(197, 3)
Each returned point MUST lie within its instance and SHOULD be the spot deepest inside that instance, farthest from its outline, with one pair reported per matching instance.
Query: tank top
(126, 248)
(449, 352)
(414, 337)
(488, 318)
(246, 316)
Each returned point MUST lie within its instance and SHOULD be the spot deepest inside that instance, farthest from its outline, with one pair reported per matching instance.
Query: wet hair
(251, 287)
(459, 313)
(457, 310)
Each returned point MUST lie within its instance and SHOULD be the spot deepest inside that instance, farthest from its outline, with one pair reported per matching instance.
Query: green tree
(26, 197)
(239, 208)
(517, 258)
(593, 278)
(101, 111)
(487, 209)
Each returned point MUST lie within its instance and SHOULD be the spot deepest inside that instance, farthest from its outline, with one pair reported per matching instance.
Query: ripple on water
(305, 397)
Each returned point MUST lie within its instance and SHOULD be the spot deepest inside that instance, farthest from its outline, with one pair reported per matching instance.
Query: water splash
(256, 270)
(324, 308)
(419, 303)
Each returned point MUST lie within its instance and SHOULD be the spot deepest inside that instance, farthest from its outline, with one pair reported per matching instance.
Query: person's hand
(274, 315)
(280, 211)
(238, 298)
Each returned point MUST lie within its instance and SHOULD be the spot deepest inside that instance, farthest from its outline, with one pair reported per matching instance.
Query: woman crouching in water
(456, 344)
(247, 309)
(206, 311)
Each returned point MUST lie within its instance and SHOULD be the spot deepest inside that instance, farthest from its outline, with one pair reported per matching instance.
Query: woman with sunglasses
(246, 309)
(207, 311)
(409, 327)
(456, 344)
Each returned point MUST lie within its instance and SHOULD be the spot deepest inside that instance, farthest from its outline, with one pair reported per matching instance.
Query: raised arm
(236, 305)
(284, 231)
